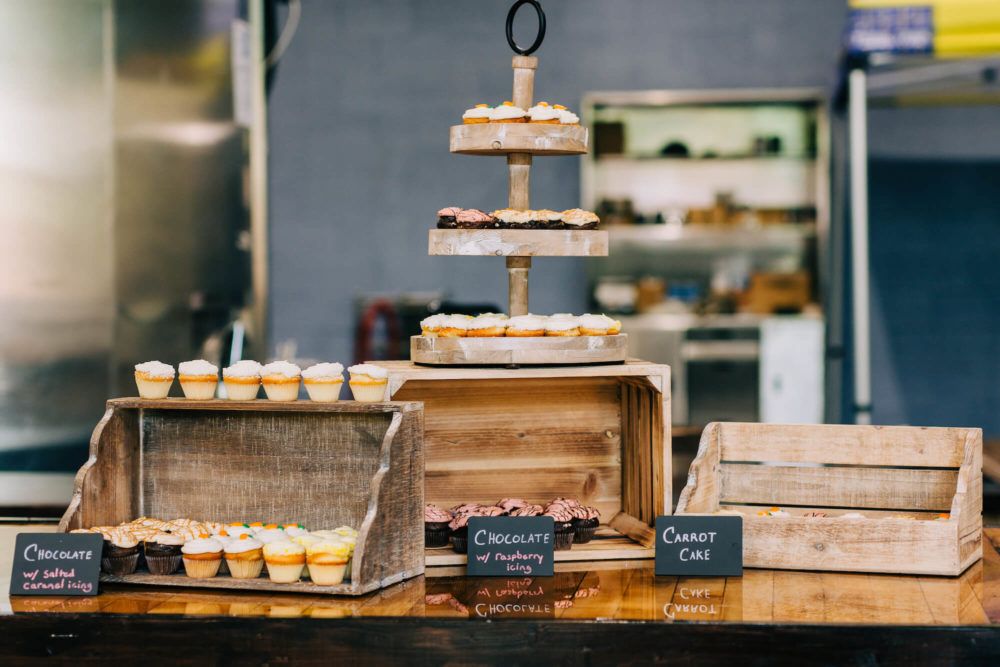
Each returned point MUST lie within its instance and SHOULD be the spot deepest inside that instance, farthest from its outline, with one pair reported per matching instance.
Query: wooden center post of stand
(518, 189)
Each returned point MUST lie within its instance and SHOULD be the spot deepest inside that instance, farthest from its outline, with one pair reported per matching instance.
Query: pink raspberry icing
(434, 514)
(473, 215)
(584, 513)
(449, 211)
(509, 504)
(527, 510)
(560, 514)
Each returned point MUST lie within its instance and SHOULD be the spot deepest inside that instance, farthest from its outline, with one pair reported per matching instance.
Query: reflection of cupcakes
(563, 527)
(562, 326)
(328, 562)
(429, 326)
(598, 325)
(436, 529)
(577, 218)
(473, 218)
(454, 326)
(508, 113)
(281, 380)
(242, 380)
(153, 379)
(487, 326)
(446, 217)
(523, 326)
(323, 381)
(477, 114)
(245, 557)
(198, 379)
(202, 557)
(163, 553)
(285, 561)
(368, 382)
(585, 523)
(120, 555)
(543, 113)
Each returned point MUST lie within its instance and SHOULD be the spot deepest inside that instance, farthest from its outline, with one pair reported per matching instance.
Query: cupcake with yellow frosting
(202, 557)
(153, 378)
(245, 557)
(327, 562)
(508, 113)
(198, 379)
(477, 114)
(323, 381)
(598, 325)
(368, 382)
(281, 380)
(285, 561)
(242, 380)
(543, 113)
(562, 325)
(487, 325)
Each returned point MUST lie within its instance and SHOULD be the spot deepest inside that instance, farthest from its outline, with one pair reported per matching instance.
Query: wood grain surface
(517, 351)
(518, 242)
(530, 138)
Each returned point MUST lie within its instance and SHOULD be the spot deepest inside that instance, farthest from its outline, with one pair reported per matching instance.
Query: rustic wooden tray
(597, 433)
(321, 464)
(899, 477)
(515, 351)
(518, 242)
(530, 138)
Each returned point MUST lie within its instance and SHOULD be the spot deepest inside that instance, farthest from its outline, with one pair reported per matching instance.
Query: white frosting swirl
(370, 370)
(284, 368)
(203, 545)
(456, 322)
(542, 111)
(506, 111)
(246, 368)
(527, 322)
(156, 369)
(561, 323)
(478, 111)
(567, 117)
(197, 367)
(577, 216)
(432, 322)
(487, 322)
(243, 544)
(324, 370)
(269, 535)
(588, 321)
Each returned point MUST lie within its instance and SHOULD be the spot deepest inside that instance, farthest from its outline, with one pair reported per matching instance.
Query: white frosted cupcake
(368, 382)
(202, 557)
(598, 325)
(323, 381)
(477, 114)
(285, 561)
(543, 113)
(242, 380)
(429, 326)
(245, 557)
(487, 325)
(508, 113)
(153, 378)
(523, 326)
(566, 117)
(454, 326)
(328, 562)
(198, 379)
(281, 380)
(577, 218)
(562, 325)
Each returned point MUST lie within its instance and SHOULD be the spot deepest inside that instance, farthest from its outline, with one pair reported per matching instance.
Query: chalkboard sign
(56, 564)
(699, 546)
(506, 545)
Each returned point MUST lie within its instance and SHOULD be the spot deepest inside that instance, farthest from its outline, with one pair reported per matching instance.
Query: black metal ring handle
(510, 27)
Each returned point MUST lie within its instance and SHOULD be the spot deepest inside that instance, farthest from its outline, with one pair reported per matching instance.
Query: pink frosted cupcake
(436, 529)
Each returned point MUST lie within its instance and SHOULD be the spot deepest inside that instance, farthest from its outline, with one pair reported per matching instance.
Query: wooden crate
(899, 477)
(321, 464)
(597, 433)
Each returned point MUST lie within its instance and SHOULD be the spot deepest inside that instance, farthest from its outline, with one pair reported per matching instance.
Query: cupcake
(486, 326)
(429, 326)
(563, 526)
(120, 555)
(198, 379)
(477, 114)
(508, 113)
(237, 529)
(242, 380)
(368, 382)
(273, 534)
(543, 113)
(598, 325)
(512, 218)
(526, 326)
(473, 218)
(327, 562)
(454, 326)
(306, 541)
(446, 217)
(566, 117)
(256, 526)
(285, 561)
(562, 325)
(163, 553)
(294, 530)
(245, 557)
(527, 510)
(323, 381)
(547, 219)
(577, 218)
(153, 378)
(202, 557)
(281, 380)
(585, 523)
(460, 525)
(510, 504)
(436, 529)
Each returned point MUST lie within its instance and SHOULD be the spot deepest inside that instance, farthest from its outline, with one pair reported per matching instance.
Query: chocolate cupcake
(459, 527)
(163, 553)
(473, 218)
(436, 530)
(508, 505)
(562, 526)
(509, 218)
(577, 218)
(527, 510)
(585, 523)
(446, 217)
(546, 219)
(121, 552)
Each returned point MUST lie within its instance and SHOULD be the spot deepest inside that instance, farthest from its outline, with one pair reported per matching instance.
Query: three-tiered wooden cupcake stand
(519, 142)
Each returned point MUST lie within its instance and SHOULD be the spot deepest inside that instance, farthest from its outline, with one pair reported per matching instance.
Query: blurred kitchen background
(255, 179)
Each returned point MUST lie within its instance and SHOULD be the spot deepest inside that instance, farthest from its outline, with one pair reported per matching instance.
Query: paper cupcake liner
(368, 393)
(120, 565)
(240, 391)
(284, 574)
(327, 575)
(202, 569)
(245, 569)
(163, 564)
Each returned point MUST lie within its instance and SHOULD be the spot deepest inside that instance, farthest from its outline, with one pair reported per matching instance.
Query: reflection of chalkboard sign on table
(504, 546)
(699, 546)
(56, 564)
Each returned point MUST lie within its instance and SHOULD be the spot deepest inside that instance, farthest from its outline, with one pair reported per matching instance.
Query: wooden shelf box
(320, 464)
(900, 478)
(597, 433)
